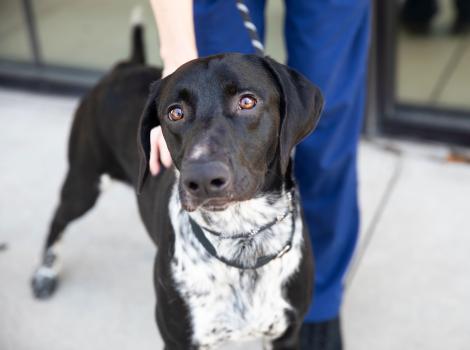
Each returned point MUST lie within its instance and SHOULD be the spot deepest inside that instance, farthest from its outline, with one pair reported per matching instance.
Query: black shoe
(321, 336)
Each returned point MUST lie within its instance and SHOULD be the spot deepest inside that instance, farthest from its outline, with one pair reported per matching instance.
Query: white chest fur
(227, 303)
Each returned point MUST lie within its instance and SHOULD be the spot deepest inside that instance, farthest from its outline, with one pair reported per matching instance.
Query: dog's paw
(44, 282)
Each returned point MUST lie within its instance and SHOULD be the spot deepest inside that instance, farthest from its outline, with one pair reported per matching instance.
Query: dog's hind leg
(79, 193)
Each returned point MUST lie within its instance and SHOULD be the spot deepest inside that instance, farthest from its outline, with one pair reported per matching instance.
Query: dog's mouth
(223, 201)
(216, 204)
(190, 203)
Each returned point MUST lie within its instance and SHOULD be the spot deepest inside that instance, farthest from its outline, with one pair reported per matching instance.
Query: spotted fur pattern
(226, 303)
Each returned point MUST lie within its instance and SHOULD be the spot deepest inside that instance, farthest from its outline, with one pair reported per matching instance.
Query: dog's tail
(137, 39)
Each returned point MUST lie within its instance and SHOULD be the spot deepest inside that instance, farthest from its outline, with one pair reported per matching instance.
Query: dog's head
(230, 122)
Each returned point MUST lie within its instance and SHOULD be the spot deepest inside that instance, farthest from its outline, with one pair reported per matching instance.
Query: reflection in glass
(89, 33)
(434, 53)
(14, 44)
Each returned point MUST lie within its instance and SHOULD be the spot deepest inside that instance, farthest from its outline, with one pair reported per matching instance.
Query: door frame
(406, 119)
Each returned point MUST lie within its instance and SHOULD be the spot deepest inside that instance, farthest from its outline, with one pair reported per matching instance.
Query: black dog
(234, 259)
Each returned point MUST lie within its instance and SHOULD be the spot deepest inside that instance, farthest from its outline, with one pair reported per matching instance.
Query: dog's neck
(247, 217)
(272, 212)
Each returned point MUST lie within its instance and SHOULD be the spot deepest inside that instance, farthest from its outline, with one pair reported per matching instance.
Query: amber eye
(175, 114)
(247, 102)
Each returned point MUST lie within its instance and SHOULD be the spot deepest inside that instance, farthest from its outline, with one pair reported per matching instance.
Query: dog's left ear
(148, 121)
(301, 106)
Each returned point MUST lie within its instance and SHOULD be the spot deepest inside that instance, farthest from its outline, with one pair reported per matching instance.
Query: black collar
(260, 261)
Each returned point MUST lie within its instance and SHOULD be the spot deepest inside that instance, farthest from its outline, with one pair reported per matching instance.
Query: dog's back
(102, 141)
(106, 121)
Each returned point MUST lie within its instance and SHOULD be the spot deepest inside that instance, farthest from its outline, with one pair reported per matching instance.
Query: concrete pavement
(409, 289)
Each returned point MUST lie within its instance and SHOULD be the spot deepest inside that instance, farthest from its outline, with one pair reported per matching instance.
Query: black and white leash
(251, 27)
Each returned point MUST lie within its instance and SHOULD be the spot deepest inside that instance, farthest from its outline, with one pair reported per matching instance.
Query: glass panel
(14, 43)
(89, 33)
(434, 53)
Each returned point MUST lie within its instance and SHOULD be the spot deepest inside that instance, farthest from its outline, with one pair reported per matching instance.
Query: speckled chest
(227, 303)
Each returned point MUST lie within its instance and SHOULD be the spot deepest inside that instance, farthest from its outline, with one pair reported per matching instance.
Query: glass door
(65, 44)
(423, 68)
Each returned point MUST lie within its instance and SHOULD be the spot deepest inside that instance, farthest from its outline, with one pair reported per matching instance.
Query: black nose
(206, 179)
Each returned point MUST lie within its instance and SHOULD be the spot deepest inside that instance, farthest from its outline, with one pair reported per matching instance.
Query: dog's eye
(247, 102)
(175, 114)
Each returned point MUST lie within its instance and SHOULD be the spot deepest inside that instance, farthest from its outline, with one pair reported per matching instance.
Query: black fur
(256, 145)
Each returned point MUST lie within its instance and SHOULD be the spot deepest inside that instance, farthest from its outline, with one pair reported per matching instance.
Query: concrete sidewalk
(408, 289)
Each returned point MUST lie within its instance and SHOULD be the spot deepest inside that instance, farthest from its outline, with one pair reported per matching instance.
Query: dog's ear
(148, 121)
(301, 106)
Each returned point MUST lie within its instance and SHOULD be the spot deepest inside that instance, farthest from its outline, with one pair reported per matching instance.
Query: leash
(260, 261)
(251, 27)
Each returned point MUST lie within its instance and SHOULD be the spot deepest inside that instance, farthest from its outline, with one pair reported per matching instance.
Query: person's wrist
(170, 65)
(174, 56)
(167, 70)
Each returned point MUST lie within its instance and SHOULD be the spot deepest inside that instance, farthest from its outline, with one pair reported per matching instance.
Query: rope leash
(250, 27)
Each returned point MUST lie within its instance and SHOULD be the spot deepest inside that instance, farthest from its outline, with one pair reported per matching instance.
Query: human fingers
(165, 156)
(154, 163)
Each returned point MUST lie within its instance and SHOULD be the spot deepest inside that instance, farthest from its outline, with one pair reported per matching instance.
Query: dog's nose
(206, 179)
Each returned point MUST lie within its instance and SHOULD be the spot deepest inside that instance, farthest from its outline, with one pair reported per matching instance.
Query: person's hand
(177, 46)
(158, 151)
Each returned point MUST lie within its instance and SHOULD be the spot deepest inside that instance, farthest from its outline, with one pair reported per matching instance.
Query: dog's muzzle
(207, 182)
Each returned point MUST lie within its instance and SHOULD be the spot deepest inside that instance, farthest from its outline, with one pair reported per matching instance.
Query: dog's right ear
(301, 106)
(148, 121)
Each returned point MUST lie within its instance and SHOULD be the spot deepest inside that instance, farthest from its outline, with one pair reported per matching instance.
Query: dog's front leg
(179, 347)
(290, 340)
(171, 312)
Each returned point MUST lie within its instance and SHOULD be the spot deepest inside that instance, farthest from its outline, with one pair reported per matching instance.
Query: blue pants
(327, 41)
